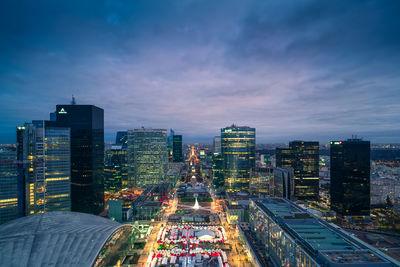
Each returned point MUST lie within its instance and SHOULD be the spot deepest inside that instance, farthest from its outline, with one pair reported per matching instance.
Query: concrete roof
(54, 239)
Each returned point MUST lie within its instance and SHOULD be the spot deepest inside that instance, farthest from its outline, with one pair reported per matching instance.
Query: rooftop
(54, 239)
(317, 236)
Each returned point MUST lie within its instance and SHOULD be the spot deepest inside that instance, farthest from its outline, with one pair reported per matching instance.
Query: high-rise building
(21, 165)
(217, 144)
(170, 145)
(238, 152)
(350, 177)
(177, 154)
(218, 171)
(122, 139)
(283, 183)
(147, 156)
(44, 149)
(87, 155)
(115, 169)
(8, 184)
(303, 157)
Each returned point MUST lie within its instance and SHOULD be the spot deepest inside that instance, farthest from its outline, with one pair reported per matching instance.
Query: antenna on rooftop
(73, 101)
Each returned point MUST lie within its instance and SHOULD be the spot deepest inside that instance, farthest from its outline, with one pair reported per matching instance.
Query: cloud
(292, 69)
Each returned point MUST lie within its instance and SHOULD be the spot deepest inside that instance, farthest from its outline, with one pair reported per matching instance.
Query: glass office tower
(115, 169)
(177, 154)
(45, 153)
(8, 184)
(218, 171)
(303, 157)
(238, 152)
(350, 177)
(147, 156)
(87, 155)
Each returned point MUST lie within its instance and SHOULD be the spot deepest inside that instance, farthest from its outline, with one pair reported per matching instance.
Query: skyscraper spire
(73, 101)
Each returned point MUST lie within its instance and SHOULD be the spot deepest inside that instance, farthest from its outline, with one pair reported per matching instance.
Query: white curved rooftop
(205, 234)
(54, 239)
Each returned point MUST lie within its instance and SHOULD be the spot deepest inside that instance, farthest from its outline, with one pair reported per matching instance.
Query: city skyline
(293, 70)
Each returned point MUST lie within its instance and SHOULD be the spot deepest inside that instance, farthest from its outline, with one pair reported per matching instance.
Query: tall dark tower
(87, 155)
(303, 157)
(177, 154)
(350, 177)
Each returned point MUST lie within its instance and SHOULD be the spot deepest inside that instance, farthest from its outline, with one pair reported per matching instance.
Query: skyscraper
(218, 171)
(115, 169)
(303, 157)
(147, 156)
(8, 184)
(350, 177)
(217, 144)
(238, 152)
(44, 149)
(170, 144)
(177, 154)
(87, 155)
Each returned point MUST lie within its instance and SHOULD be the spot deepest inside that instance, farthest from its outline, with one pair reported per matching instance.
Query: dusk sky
(313, 70)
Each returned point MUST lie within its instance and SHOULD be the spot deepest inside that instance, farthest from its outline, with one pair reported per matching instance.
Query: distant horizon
(109, 136)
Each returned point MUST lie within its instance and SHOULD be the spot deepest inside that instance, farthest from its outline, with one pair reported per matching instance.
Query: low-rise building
(291, 236)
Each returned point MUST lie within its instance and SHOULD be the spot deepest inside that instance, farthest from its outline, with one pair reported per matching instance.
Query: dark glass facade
(350, 177)
(238, 152)
(303, 158)
(115, 169)
(87, 155)
(177, 154)
(218, 171)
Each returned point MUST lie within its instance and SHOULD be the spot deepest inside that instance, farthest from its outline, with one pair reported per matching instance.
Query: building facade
(283, 183)
(8, 184)
(87, 155)
(303, 158)
(115, 168)
(147, 156)
(290, 236)
(217, 144)
(238, 152)
(46, 167)
(350, 177)
(218, 171)
(177, 152)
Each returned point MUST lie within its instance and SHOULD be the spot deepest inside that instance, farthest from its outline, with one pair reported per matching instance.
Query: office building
(8, 184)
(283, 183)
(350, 177)
(217, 144)
(44, 149)
(177, 153)
(290, 236)
(218, 171)
(147, 156)
(87, 155)
(115, 168)
(170, 144)
(238, 152)
(122, 139)
(303, 157)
